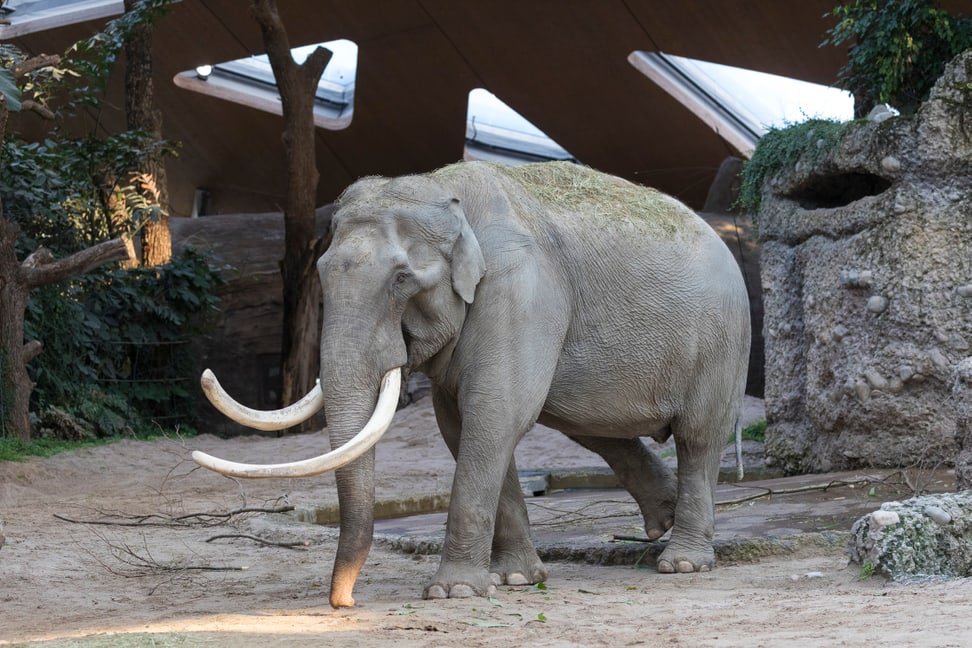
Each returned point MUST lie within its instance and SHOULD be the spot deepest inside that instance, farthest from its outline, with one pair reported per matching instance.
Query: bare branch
(141, 563)
(32, 349)
(40, 256)
(275, 40)
(39, 270)
(313, 67)
(302, 544)
(34, 107)
(160, 520)
(35, 63)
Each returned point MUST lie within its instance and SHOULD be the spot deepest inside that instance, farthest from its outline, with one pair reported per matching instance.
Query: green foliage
(755, 431)
(898, 49)
(116, 353)
(12, 449)
(57, 189)
(8, 88)
(92, 59)
(781, 148)
(125, 334)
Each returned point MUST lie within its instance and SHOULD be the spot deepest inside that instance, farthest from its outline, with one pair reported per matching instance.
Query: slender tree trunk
(301, 368)
(142, 114)
(15, 384)
(297, 85)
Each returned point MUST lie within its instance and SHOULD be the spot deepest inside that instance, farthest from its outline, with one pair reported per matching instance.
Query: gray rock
(924, 536)
(866, 266)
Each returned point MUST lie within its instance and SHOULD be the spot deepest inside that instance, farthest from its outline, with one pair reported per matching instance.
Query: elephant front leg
(492, 547)
(464, 569)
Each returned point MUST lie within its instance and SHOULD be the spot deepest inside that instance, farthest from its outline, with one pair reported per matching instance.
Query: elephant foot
(521, 567)
(680, 560)
(658, 521)
(656, 499)
(457, 582)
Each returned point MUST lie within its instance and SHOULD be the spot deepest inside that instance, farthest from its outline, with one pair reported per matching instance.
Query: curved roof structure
(564, 66)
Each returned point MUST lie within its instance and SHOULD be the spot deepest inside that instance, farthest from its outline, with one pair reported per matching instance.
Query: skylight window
(29, 16)
(497, 133)
(250, 81)
(741, 105)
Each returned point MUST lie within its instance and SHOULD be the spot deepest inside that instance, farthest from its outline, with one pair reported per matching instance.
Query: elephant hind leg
(650, 482)
(699, 447)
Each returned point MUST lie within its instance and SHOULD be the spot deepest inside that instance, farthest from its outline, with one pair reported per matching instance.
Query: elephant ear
(468, 265)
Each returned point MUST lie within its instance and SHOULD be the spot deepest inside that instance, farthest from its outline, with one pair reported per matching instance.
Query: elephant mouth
(298, 412)
(406, 337)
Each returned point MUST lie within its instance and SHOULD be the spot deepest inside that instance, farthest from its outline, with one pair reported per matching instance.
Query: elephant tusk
(357, 446)
(279, 419)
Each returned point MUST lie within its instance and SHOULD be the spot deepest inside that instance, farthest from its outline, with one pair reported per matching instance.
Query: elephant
(548, 292)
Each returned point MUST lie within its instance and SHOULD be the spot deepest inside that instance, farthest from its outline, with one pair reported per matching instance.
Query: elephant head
(402, 267)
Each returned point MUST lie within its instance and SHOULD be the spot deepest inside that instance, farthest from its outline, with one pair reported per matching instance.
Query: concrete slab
(753, 519)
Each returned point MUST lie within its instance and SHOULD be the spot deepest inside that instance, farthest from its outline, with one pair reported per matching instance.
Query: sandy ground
(161, 583)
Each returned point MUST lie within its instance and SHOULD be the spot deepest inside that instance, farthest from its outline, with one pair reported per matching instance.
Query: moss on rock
(923, 536)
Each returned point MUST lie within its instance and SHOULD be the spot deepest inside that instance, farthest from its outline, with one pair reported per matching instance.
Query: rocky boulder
(866, 267)
(923, 536)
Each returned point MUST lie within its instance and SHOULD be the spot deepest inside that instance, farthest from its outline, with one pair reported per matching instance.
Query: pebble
(884, 518)
(939, 515)
(813, 574)
(891, 164)
(877, 303)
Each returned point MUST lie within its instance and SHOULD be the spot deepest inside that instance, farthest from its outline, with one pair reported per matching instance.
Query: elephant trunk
(346, 407)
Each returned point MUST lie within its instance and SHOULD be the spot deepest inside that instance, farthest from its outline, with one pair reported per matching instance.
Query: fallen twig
(303, 544)
(187, 520)
(630, 538)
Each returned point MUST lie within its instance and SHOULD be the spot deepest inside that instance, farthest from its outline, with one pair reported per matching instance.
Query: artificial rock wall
(866, 267)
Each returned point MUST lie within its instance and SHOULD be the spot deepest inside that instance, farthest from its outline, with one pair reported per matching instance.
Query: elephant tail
(740, 471)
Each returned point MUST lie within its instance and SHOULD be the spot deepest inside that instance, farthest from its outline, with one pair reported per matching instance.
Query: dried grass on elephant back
(569, 187)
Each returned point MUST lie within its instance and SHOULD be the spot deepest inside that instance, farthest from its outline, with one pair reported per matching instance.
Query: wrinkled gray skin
(605, 323)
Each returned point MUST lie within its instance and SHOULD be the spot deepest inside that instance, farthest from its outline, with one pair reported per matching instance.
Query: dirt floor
(166, 578)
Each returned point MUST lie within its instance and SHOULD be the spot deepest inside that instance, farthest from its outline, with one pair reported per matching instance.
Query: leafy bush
(898, 49)
(781, 148)
(755, 431)
(118, 358)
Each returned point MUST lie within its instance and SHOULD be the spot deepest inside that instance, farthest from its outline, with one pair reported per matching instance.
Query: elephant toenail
(435, 592)
(461, 590)
(496, 578)
(685, 567)
(516, 579)
(665, 567)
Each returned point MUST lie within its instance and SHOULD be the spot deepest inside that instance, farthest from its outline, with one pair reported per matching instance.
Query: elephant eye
(401, 277)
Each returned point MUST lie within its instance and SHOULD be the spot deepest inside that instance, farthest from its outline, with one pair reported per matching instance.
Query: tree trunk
(16, 282)
(297, 85)
(141, 114)
(15, 384)
(300, 370)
